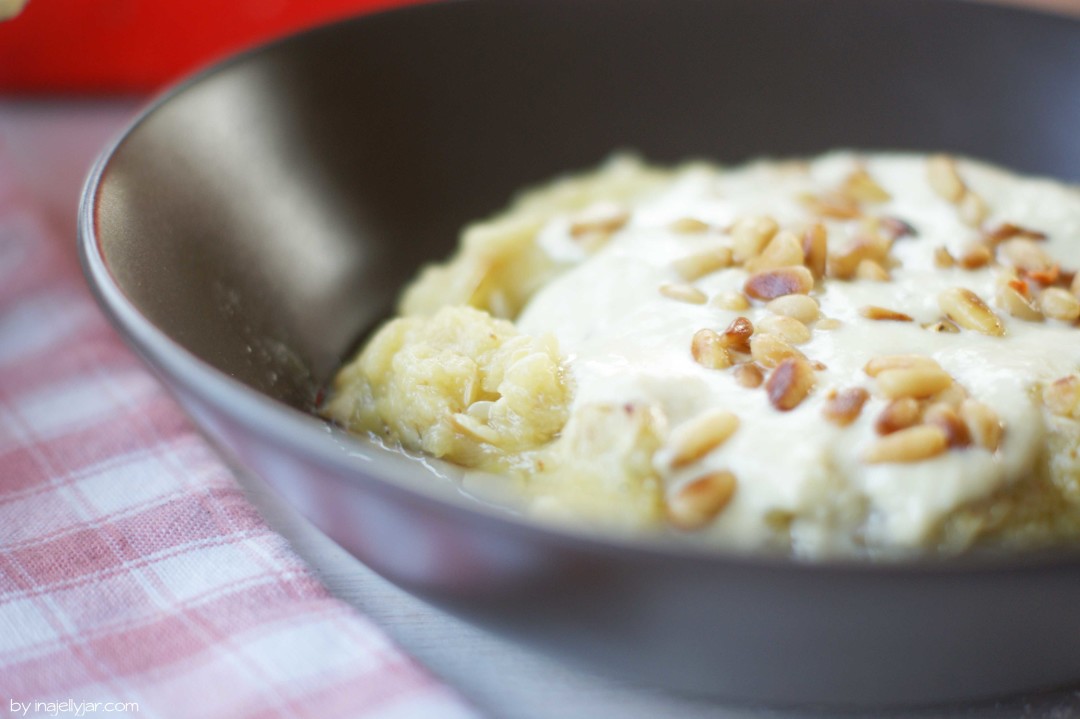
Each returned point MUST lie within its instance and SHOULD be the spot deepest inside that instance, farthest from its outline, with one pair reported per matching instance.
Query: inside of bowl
(266, 214)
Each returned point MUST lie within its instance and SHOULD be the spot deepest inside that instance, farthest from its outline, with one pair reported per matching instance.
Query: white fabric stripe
(54, 410)
(39, 321)
(27, 519)
(120, 617)
(22, 625)
(278, 652)
(114, 488)
(186, 451)
(136, 482)
(217, 567)
(224, 690)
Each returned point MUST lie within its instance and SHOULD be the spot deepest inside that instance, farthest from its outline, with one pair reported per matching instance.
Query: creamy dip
(627, 282)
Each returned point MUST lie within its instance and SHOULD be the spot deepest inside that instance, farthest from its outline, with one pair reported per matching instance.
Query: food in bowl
(858, 354)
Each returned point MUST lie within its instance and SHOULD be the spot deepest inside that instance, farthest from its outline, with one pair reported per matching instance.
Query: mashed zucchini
(872, 354)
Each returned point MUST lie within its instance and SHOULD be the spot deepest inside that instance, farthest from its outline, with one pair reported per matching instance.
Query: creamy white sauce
(626, 342)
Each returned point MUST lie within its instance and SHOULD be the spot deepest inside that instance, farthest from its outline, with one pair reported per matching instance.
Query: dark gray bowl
(252, 224)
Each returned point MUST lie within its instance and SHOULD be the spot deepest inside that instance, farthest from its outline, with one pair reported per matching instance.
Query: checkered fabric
(135, 579)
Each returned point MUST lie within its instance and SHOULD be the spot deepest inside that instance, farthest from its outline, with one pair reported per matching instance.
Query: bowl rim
(305, 434)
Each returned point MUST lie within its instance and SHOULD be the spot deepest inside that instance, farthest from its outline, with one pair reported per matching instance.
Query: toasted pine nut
(769, 350)
(942, 258)
(828, 323)
(698, 502)
(1060, 304)
(875, 246)
(695, 438)
(943, 416)
(843, 407)
(871, 271)
(749, 375)
(789, 383)
(770, 284)
(793, 331)
(803, 308)
(983, 422)
(897, 415)
(917, 382)
(913, 444)
(832, 204)
(689, 226)
(954, 396)
(967, 309)
(784, 250)
(683, 293)
(749, 236)
(1008, 230)
(843, 264)
(737, 335)
(1026, 255)
(700, 264)
(730, 300)
(872, 312)
(879, 364)
(1013, 302)
(707, 349)
(603, 217)
(815, 249)
(1047, 277)
(975, 256)
(972, 209)
(871, 245)
(944, 179)
(861, 187)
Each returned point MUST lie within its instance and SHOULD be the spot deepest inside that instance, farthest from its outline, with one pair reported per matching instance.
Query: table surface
(54, 143)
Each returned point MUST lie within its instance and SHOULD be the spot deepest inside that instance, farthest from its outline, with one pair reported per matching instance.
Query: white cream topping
(628, 343)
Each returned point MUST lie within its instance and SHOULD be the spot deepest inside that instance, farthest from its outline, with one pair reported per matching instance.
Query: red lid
(138, 45)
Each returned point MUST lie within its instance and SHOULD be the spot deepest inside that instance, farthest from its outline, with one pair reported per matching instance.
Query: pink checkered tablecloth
(135, 578)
